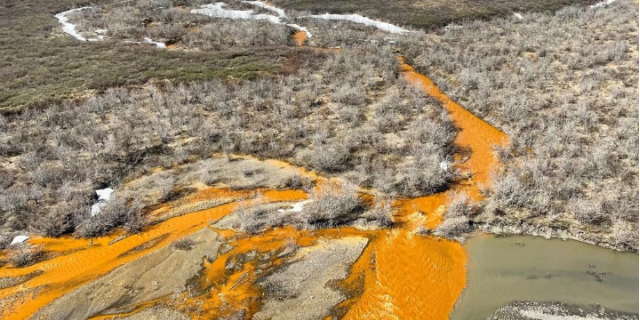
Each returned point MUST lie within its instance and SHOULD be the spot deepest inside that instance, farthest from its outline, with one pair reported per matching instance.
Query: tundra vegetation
(568, 99)
(343, 114)
(41, 65)
(564, 86)
(426, 13)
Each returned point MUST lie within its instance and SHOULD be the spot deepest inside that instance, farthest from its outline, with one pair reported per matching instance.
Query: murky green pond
(504, 269)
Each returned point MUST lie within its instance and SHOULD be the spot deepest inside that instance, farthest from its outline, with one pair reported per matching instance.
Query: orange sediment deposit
(422, 212)
(65, 273)
(299, 37)
(228, 284)
(410, 277)
(138, 308)
(473, 132)
(399, 275)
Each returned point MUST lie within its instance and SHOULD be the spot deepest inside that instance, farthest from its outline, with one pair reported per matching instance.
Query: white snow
(70, 28)
(217, 11)
(518, 16)
(361, 20)
(452, 27)
(265, 6)
(296, 207)
(95, 208)
(158, 44)
(19, 239)
(104, 194)
(602, 4)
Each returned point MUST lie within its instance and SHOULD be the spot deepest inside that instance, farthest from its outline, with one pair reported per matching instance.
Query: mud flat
(527, 310)
(519, 268)
(302, 289)
(154, 275)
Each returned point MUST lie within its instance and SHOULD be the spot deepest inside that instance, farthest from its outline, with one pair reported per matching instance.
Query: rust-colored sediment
(410, 277)
(400, 275)
(414, 277)
(224, 293)
(473, 132)
(299, 37)
(65, 273)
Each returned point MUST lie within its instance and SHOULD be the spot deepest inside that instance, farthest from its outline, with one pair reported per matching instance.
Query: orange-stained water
(65, 273)
(224, 293)
(400, 275)
(410, 277)
(473, 132)
(414, 277)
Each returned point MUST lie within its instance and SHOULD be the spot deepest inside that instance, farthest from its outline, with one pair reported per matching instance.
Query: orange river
(400, 274)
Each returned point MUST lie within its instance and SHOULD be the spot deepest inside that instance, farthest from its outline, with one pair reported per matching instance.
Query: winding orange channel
(415, 277)
(67, 272)
(403, 275)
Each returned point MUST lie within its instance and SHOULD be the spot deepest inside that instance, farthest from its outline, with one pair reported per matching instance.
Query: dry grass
(424, 13)
(564, 86)
(40, 64)
(343, 114)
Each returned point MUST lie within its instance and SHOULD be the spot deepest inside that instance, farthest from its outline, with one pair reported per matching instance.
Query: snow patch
(217, 11)
(158, 44)
(67, 27)
(70, 28)
(103, 196)
(265, 6)
(452, 27)
(296, 207)
(361, 20)
(95, 209)
(602, 4)
(19, 239)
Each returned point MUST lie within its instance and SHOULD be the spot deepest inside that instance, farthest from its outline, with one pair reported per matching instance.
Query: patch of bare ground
(156, 313)
(529, 310)
(7, 282)
(152, 276)
(301, 289)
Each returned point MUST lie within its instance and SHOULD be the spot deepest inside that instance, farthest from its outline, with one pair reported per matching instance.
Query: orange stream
(65, 273)
(400, 275)
(410, 277)
(473, 132)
